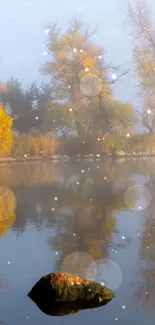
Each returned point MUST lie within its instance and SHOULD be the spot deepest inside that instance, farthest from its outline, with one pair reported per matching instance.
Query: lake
(92, 218)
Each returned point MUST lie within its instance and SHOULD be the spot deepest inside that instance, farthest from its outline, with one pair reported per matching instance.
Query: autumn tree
(144, 58)
(81, 77)
(6, 137)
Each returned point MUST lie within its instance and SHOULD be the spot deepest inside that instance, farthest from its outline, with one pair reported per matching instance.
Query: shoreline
(9, 160)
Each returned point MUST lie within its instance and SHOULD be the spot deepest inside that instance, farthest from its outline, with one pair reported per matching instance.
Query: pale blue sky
(22, 35)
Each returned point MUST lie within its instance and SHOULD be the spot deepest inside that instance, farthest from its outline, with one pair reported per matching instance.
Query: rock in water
(58, 294)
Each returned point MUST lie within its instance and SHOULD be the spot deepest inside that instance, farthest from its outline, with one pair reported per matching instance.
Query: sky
(23, 38)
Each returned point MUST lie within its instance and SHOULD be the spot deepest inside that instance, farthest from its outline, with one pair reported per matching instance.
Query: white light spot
(74, 50)
(45, 53)
(81, 50)
(82, 171)
(86, 69)
(116, 318)
(53, 209)
(90, 200)
(116, 252)
(83, 142)
(148, 111)
(47, 30)
(128, 135)
(123, 307)
(9, 263)
(88, 169)
(74, 234)
(105, 177)
(100, 57)
(146, 293)
(25, 155)
(114, 77)
(77, 183)
(56, 198)
(36, 117)
(98, 167)
(56, 253)
(138, 235)
(69, 86)
(123, 237)
(70, 109)
(102, 283)
(98, 139)
(54, 121)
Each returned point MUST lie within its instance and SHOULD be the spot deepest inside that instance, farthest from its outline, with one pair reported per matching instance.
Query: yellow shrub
(6, 135)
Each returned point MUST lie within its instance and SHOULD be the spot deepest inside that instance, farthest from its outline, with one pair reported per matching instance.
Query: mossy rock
(62, 293)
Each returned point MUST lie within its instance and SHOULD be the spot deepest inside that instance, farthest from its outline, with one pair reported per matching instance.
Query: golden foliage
(74, 51)
(6, 135)
(7, 209)
(89, 62)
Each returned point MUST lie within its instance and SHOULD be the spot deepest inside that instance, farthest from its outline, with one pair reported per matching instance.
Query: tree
(78, 69)
(114, 117)
(26, 106)
(144, 59)
(6, 137)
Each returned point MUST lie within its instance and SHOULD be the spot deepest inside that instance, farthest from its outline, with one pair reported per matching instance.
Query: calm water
(92, 218)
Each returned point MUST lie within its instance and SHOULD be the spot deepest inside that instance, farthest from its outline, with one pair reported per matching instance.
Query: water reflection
(7, 209)
(146, 287)
(66, 309)
(90, 216)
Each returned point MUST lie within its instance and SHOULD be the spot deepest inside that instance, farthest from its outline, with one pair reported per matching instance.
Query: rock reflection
(66, 309)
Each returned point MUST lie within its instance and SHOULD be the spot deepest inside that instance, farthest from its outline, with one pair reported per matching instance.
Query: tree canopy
(143, 30)
(81, 76)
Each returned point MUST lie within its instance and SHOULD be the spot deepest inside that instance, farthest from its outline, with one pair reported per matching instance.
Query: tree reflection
(83, 218)
(90, 225)
(146, 284)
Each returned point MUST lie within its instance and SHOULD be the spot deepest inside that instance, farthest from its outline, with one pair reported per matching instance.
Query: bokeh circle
(77, 263)
(90, 85)
(137, 197)
(106, 272)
